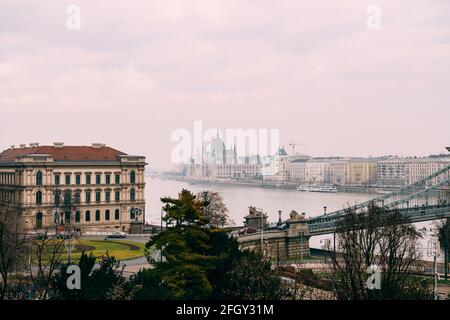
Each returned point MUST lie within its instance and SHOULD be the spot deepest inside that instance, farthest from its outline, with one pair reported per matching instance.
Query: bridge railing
(404, 191)
(416, 214)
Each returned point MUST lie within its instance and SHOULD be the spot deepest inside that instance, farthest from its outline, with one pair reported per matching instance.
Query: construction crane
(293, 144)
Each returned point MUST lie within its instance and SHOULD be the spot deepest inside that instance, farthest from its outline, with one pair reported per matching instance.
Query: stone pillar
(136, 227)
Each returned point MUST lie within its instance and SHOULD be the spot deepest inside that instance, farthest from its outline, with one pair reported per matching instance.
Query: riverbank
(289, 185)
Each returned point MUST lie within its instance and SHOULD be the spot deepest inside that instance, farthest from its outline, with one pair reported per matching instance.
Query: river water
(239, 198)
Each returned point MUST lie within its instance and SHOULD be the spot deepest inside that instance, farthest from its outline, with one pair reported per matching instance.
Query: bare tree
(376, 237)
(12, 239)
(215, 209)
(46, 252)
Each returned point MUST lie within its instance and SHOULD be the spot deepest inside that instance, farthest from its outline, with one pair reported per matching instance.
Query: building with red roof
(83, 188)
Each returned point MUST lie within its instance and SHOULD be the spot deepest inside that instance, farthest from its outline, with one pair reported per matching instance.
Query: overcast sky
(137, 70)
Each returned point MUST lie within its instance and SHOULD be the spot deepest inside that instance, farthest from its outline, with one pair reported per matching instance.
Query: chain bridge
(426, 199)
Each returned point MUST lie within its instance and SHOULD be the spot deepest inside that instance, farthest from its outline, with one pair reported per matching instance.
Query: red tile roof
(66, 153)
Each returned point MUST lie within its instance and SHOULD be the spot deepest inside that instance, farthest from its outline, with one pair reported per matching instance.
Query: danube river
(239, 198)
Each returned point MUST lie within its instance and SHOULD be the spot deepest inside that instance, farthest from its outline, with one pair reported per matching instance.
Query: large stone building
(235, 171)
(419, 168)
(339, 171)
(393, 171)
(297, 168)
(318, 171)
(278, 169)
(362, 171)
(93, 188)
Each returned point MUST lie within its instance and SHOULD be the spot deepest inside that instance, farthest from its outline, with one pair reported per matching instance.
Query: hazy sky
(137, 70)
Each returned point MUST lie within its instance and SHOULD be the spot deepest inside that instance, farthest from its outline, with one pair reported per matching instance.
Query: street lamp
(161, 220)
(433, 251)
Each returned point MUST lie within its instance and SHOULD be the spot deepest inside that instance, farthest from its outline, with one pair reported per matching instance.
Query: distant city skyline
(135, 72)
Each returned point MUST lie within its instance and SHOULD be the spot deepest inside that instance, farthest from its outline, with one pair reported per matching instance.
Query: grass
(444, 282)
(120, 249)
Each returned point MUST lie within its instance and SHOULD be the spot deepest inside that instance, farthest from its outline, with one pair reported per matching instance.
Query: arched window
(132, 195)
(117, 214)
(97, 215)
(132, 177)
(39, 220)
(39, 178)
(77, 216)
(87, 216)
(38, 198)
(107, 215)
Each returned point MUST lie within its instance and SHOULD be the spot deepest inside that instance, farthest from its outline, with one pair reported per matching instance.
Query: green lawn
(120, 249)
(444, 282)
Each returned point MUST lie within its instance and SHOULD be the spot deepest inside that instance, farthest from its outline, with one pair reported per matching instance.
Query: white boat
(325, 188)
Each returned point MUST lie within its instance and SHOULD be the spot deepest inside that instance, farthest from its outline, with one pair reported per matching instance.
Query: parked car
(63, 236)
(282, 226)
(117, 235)
(40, 236)
(247, 230)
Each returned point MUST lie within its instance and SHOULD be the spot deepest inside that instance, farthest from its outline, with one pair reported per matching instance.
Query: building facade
(339, 172)
(235, 171)
(278, 169)
(318, 171)
(92, 188)
(421, 168)
(297, 168)
(393, 171)
(362, 171)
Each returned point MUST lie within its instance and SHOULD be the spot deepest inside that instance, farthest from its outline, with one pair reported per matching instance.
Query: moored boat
(324, 188)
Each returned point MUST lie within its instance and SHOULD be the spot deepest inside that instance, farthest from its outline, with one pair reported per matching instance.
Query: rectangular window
(108, 196)
(68, 179)
(57, 198)
(117, 196)
(88, 179)
(77, 197)
(57, 180)
(108, 179)
(78, 179)
(98, 179)
(98, 196)
(88, 197)
(117, 178)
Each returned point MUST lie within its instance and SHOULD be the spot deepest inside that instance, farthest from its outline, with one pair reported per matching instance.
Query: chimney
(58, 144)
(34, 144)
(13, 146)
(98, 145)
(23, 145)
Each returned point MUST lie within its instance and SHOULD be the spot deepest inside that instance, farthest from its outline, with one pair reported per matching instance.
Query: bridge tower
(297, 236)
